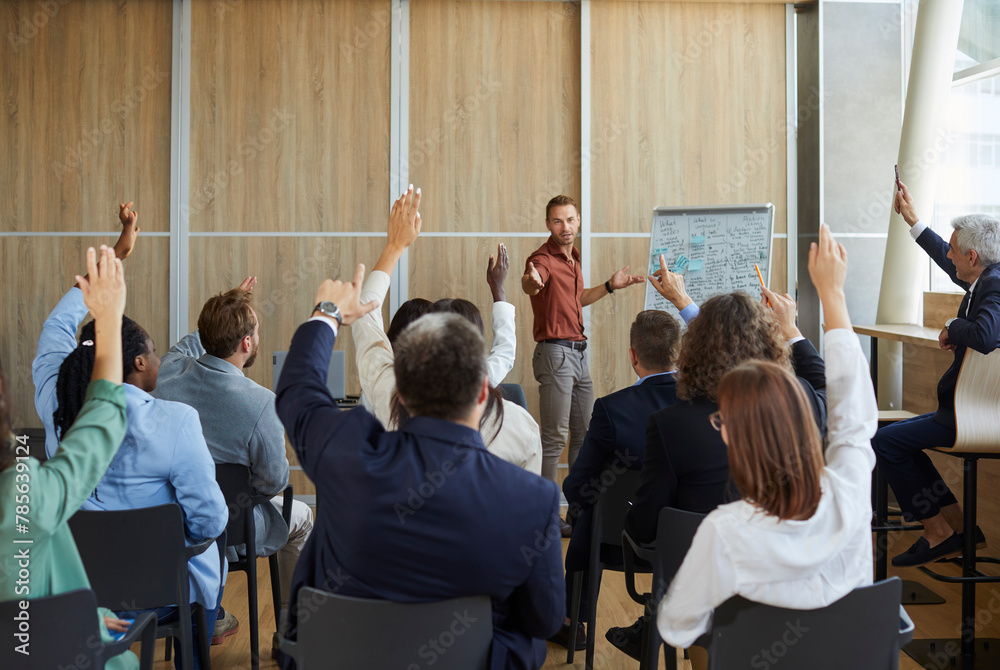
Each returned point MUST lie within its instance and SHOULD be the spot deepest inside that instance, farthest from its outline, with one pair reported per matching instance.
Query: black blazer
(979, 329)
(686, 465)
(616, 437)
(421, 514)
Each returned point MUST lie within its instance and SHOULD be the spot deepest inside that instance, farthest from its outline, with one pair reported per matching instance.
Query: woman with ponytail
(163, 457)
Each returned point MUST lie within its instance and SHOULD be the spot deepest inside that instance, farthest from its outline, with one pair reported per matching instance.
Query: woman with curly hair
(685, 464)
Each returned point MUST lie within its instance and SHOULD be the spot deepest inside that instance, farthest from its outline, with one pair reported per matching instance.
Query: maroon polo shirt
(557, 309)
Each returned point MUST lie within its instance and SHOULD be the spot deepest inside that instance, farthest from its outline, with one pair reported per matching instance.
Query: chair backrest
(362, 634)
(135, 559)
(513, 393)
(612, 505)
(861, 630)
(234, 480)
(675, 531)
(977, 403)
(61, 631)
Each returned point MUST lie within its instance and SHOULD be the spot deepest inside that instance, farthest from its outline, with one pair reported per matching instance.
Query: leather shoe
(562, 637)
(922, 553)
(565, 529)
(627, 639)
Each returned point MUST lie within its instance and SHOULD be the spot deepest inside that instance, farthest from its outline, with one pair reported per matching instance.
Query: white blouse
(518, 441)
(740, 550)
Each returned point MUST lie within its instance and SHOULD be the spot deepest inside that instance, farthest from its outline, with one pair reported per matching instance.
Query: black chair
(353, 632)
(64, 633)
(137, 559)
(864, 629)
(675, 531)
(513, 393)
(234, 480)
(606, 526)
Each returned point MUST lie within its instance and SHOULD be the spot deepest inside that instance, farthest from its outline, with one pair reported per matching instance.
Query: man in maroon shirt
(554, 280)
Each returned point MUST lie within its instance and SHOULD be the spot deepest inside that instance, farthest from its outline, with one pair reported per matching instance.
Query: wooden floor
(615, 608)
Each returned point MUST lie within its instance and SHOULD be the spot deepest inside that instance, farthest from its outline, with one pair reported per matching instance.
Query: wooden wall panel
(494, 111)
(922, 368)
(455, 267)
(42, 269)
(85, 119)
(688, 109)
(290, 115)
(288, 271)
(939, 307)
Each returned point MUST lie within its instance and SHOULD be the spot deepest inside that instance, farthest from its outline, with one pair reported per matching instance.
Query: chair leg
(574, 615)
(272, 561)
(169, 648)
(650, 640)
(969, 558)
(594, 589)
(184, 629)
(252, 598)
(204, 640)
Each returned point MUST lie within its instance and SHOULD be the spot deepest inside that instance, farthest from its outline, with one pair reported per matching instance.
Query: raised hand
(784, 309)
(903, 204)
(404, 219)
(248, 283)
(345, 296)
(496, 273)
(130, 230)
(104, 294)
(828, 270)
(623, 279)
(670, 285)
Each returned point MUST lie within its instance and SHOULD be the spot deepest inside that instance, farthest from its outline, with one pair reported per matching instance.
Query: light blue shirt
(163, 458)
(640, 380)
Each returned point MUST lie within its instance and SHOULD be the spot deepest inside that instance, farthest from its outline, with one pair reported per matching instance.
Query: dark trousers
(900, 451)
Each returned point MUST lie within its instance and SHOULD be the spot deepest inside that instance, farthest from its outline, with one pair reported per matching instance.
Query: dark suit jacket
(685, 464)
(979, 329)
(421, 514)
(616, 437)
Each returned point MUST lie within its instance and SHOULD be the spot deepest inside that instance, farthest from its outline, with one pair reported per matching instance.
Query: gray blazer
(239, 422)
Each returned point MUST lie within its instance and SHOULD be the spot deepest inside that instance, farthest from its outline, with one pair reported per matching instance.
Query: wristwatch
(948, 322)
(329, 309)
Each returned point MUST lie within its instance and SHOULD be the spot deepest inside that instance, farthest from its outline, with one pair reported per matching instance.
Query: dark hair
(225, 320)
(440, 363)
(464, 309)
(774, 447)
(408, 312)
(654, 337)
(6, 437)
(560, 201)
(732, 328)
(77, 368)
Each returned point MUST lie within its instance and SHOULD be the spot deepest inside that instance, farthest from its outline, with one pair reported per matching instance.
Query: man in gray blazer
(205, 370)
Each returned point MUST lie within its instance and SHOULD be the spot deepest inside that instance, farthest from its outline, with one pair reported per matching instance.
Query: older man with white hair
(972, 260)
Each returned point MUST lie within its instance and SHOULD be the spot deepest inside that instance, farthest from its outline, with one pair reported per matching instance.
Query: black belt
(579, 346)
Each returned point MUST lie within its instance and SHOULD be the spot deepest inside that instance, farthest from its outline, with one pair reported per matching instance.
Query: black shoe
(922, 553)
(564, 528)
(562, 637)
(627, 640)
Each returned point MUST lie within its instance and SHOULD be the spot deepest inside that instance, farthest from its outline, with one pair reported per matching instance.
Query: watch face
(329, 307)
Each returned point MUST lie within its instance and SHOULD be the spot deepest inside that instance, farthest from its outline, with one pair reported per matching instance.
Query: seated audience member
(972, 260)
(163, 458)
(800, 535)
(59, 485)
(616, 440)
(685, 465)
(509, 431)
(205, 370)
(490, 529)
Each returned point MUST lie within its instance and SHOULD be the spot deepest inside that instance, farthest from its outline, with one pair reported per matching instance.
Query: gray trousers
(566, 401)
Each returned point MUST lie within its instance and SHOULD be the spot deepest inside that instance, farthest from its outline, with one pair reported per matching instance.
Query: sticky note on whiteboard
(695, 265)
(697, 239)
(682, 262)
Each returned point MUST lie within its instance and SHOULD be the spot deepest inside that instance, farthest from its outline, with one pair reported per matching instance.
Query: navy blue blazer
(979, 329)
(686, 465)
(422, 514)
(617, 436)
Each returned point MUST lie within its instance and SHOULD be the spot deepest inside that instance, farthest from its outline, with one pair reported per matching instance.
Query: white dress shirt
(740, 550)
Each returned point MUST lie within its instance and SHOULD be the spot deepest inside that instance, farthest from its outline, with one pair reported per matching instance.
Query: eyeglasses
(715, 418)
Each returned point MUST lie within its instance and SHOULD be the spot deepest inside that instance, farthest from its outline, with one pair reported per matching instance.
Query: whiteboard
(715, 248)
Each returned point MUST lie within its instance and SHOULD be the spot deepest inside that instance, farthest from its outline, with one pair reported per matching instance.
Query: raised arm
(504, 347)
(620, 279)
(193, 479)
(671, 286)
